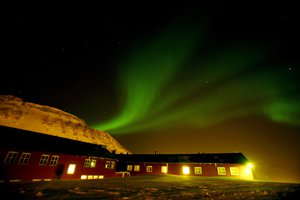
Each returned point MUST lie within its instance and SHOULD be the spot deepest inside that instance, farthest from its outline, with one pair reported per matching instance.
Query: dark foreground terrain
(151, 187)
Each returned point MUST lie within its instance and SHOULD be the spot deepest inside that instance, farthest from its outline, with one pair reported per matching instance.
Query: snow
(14, 112)
(152, 187)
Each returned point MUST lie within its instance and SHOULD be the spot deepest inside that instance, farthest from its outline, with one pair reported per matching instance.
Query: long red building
(201, 164)
(31, 156)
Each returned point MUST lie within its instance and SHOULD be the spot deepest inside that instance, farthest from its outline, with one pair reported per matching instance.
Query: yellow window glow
(83, 177)
(221, 170)
(186, 170)
(129, 167)
(149, 169)
(234, 171)
(71, 168)
(93, 163)
(100, 176)
(136, 168)
(164, 169)
(198, 170)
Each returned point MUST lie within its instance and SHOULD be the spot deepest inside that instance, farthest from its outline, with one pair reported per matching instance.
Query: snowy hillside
(14, 112)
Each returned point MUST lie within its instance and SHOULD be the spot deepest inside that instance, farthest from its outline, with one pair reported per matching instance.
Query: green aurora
(177, 80)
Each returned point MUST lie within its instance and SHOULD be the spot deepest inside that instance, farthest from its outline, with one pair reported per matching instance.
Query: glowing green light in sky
(171, 81)
(143, 75)
(284, 110)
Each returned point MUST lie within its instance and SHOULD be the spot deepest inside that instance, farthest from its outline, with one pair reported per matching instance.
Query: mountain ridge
(17, 113)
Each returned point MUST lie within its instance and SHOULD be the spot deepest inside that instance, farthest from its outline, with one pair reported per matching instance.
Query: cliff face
(14, 112)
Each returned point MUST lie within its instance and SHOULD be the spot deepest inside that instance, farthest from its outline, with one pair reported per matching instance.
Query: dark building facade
(201, 164)
(31, 156)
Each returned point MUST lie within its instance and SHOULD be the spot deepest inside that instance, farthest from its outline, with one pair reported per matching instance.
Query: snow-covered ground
(152, 187)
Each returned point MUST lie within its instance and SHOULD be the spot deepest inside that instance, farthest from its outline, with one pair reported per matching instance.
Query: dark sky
(175, 77)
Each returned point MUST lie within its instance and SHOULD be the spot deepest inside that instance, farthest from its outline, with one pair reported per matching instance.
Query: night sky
(174, 77)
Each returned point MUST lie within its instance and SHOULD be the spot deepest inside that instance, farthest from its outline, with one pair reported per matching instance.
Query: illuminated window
(71, 169)
(11, 157)
(44, 159)
(109, 164)
(101, 176)
(234, 171)
(221, 170)
(87, 162)
(129, 167)
(186, 170)
(83, 177)
(198, 170)
(93, 163)
(136, 168)
(164, 169)
(54, 160)
(24, 159)
(90, 162)
(149, 168)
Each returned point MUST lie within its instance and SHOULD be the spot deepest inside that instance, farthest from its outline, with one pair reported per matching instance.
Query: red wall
(33, 170)
(208, 169)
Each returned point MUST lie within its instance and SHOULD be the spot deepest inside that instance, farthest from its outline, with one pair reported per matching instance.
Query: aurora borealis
(175, 78)
(171, 81)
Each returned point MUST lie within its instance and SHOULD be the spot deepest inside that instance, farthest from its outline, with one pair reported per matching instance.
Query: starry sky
(174, 78)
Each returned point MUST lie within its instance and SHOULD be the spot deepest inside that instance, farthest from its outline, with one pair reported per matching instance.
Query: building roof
(185, 158)
(17, 139)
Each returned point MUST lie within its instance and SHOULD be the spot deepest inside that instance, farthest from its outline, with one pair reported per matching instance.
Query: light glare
(250, 165)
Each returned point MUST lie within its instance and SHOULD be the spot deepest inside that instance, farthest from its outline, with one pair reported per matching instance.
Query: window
(11, 157)
(221, 170)
(234, 171)
(109, 164)
(136, 168)
(44, 159)
(93, 163)
(164, 169)
(71, 168)
(90, 162)
(54, 160)
(83, 177)
(24, 159)
(198, 170)
(129, 167)
(186, 170)
(87, 162)
(149, 168)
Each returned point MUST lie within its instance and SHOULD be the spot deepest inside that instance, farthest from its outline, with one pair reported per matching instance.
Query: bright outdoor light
(250, 165)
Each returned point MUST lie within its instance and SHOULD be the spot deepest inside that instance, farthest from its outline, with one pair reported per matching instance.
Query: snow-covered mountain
(15, 112)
